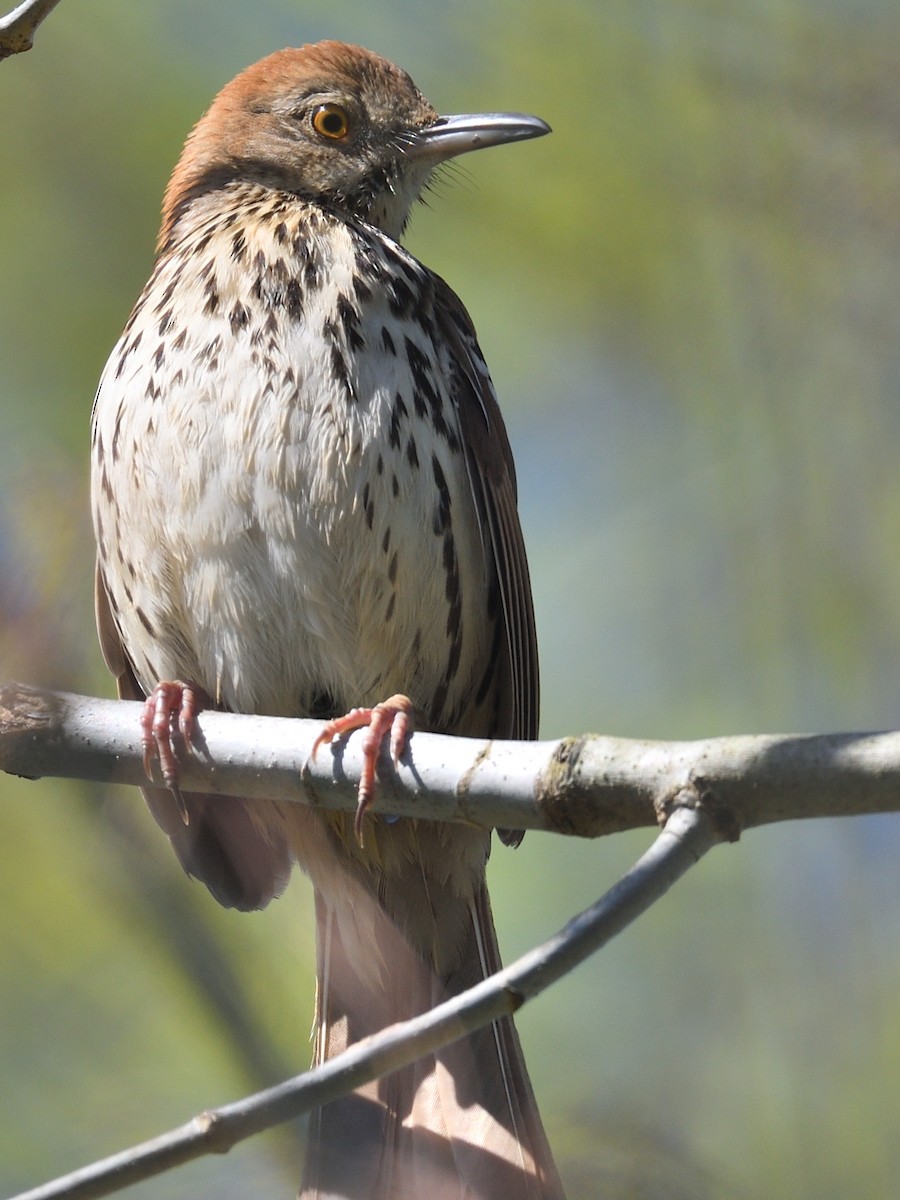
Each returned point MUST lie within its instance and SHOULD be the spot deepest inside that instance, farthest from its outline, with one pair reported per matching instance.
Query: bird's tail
(460, 1124)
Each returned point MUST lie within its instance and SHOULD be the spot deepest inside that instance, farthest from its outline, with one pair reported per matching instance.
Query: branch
(17, 30)
(585, 786)
(707, 791)
(687, 836)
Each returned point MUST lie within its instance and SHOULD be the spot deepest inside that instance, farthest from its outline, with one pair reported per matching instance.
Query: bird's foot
(394, 717)
(170, 702)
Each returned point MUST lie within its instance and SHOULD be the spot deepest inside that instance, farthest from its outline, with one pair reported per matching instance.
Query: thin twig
(687, 836)
(17, 30)
(586, 786)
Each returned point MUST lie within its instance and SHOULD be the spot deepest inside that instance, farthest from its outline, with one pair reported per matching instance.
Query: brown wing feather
(492, 478)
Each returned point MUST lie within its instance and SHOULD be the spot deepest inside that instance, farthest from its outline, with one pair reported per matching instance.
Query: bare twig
(585, 786)
(688, 834)
(17, 30)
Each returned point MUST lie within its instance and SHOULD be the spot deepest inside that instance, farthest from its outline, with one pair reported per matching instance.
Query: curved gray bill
(449, 136)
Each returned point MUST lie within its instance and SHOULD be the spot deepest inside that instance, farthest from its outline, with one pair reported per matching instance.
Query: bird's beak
(449, 136)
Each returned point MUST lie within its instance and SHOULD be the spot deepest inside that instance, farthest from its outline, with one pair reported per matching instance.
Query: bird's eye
(331, 121)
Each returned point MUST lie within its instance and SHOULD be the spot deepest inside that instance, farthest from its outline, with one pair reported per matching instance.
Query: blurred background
(689, 297)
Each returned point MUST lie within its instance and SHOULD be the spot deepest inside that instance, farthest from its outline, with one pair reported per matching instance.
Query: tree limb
(688, 834)
(17, 29)
(585, 786)
(705, 791)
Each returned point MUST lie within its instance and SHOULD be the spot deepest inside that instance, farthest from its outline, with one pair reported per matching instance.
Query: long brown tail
(461, 1124)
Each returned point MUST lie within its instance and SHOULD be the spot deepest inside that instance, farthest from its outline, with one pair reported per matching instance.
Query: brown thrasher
(304, 500)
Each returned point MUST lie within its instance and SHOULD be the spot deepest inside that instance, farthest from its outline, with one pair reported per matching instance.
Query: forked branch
(703, 792)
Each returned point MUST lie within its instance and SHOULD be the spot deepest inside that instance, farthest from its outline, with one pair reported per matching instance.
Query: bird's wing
(492, 478)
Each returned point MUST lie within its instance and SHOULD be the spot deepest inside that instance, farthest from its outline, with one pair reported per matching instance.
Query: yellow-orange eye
(331, 121)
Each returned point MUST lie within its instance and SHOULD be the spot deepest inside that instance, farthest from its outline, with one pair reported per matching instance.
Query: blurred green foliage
(690, 297)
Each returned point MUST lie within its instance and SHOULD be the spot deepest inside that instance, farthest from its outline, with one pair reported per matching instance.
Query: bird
(304, 503)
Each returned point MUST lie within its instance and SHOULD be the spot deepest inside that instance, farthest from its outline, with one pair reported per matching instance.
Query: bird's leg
(170, 700)
(393, 716)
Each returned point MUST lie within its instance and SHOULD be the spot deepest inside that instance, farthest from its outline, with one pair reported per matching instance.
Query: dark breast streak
(308, 279)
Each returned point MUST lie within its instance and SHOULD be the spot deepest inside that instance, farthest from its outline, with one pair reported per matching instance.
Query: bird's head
(335, 124)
